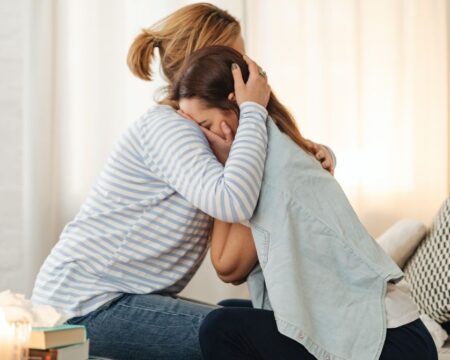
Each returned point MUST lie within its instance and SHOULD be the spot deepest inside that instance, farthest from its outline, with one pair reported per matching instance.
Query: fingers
(320, 155)
(237, 76)
(320, 152)
(326, 164)
(217, 139)
(312, 146)
(253, 68)
(229, 136)
(211, 136)
(325, 158)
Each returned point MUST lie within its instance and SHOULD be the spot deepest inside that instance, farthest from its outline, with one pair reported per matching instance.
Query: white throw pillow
(401, 239)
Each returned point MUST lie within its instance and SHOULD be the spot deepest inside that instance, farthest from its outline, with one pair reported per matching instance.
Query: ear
(231, 96)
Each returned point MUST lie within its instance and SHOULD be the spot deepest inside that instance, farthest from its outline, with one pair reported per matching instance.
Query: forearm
(176, 151)
(333, 155)
(233, 252)
(219, 239)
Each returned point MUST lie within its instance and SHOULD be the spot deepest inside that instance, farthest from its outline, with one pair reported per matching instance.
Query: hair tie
(157, 43)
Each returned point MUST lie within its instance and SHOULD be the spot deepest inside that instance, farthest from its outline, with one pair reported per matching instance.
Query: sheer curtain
(368, 78)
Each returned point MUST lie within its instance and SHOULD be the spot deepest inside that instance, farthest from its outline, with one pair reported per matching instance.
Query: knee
(236, 303)
(226, 302)
(214, 328)
(211, 324)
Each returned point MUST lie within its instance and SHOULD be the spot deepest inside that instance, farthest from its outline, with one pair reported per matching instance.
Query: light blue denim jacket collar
(323, 275)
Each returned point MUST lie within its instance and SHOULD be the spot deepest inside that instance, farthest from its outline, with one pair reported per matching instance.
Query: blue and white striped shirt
(144, 225)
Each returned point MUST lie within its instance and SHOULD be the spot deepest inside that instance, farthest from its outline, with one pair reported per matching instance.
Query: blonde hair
(178, 35)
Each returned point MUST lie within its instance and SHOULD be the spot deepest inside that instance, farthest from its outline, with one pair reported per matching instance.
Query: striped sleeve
(177, 151)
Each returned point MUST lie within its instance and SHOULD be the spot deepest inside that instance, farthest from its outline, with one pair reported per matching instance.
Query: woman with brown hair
(290, 315)
(142, 232)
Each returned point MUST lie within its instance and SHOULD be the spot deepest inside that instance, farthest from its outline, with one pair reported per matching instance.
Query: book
(56, 336)
(71, 352)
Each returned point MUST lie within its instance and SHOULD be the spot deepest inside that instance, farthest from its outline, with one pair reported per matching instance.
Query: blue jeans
(147, 326)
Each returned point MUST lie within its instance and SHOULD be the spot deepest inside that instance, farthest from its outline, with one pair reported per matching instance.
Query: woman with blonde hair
(142, 232)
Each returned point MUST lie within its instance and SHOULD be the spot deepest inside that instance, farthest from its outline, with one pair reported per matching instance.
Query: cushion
(401, 239)
(428, 269)
(446, 326)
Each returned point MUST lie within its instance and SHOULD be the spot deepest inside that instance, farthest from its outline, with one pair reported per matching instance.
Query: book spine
(35, 354)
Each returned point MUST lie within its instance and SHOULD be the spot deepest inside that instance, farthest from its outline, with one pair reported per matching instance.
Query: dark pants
(238, 331)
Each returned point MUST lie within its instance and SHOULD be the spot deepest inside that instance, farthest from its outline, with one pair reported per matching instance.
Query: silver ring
(262, 72)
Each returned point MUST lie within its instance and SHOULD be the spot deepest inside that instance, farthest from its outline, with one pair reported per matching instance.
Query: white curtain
(368, 78)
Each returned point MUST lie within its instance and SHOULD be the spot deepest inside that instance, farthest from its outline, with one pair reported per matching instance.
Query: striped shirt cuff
(254, 107)
(245, 222)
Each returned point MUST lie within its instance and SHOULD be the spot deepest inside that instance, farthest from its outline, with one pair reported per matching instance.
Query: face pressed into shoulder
(209, 118)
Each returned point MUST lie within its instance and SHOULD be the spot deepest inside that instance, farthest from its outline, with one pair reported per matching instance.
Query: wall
(11, 149)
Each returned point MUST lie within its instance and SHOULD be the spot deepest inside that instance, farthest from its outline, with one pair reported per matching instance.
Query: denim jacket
(319, 270)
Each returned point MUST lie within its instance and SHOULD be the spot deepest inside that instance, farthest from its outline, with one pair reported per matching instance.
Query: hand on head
(256, 89)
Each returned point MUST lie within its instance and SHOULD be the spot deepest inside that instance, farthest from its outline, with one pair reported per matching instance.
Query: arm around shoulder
(177, 151)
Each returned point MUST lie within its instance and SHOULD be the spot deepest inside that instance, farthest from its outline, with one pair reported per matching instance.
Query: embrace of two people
(220, 163)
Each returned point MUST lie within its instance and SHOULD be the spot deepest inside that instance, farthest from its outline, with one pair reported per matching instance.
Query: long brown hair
(178, 35)
(206, 75)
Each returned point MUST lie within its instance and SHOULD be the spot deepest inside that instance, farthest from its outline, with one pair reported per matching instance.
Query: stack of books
(63, 342)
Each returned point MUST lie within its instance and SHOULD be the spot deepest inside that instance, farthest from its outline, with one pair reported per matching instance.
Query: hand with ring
(256, 89)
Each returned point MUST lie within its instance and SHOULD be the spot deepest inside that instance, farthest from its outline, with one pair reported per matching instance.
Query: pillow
(401, 239)
(446, 326)
(428, 270)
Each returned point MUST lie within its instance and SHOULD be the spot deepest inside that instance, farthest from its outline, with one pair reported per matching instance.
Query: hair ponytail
(178, 35)
(141, 53)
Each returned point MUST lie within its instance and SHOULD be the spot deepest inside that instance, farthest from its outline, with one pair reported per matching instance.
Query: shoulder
(160, 115)
(163, 120)
(159, 111)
